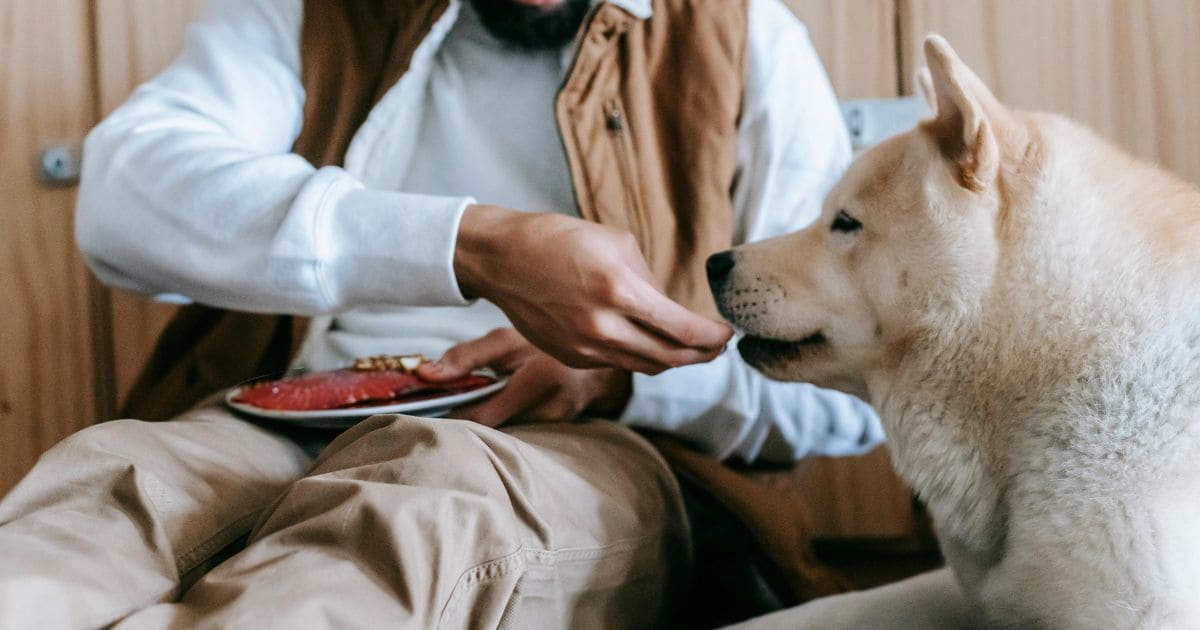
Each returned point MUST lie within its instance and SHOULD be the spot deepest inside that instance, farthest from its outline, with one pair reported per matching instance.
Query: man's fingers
(665, 359)
(631, 346)
(523, 391)
(676, 323)
(494, 349)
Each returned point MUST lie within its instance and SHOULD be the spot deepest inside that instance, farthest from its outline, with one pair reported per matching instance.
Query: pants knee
(403, 479)
(418, 446)
(119, 438)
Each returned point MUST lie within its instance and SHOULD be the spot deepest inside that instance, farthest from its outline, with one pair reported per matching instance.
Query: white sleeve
(190, 188)
(792, 148)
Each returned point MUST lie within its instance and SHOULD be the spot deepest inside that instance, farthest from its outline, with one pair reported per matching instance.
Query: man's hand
(540, 389)
(579, 291)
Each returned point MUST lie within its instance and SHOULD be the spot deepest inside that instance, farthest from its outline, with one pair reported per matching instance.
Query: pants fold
(109, 519)
(420, 523)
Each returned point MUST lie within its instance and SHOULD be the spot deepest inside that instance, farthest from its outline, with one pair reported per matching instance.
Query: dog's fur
(1022, 306)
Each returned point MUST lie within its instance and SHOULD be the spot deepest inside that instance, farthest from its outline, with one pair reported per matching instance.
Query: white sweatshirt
(189, 188)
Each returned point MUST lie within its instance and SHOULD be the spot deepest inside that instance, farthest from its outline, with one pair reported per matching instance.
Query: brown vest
(648, 116)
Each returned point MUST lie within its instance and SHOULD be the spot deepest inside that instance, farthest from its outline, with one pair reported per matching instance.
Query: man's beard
(532, 28)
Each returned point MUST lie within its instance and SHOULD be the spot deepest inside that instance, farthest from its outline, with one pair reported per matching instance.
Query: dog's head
(906, 243)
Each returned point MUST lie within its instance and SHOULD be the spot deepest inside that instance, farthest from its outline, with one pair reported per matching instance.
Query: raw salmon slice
(351, 388)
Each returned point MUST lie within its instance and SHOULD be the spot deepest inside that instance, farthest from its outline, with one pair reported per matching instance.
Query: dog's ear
(925, 88)
(967, 115)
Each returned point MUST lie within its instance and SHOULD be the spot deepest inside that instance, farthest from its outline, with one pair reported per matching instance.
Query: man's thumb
(446, 368)
(462, 359)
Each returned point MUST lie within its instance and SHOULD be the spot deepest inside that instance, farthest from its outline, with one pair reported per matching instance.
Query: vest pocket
(617, 125)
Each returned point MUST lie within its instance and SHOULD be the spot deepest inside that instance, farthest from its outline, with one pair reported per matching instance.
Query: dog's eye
(845, 223)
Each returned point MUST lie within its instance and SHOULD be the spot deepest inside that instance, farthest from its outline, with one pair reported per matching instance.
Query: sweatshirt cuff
(387, 248)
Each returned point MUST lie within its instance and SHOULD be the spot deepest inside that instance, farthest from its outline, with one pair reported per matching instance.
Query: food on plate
(407, 363)
(371, 381)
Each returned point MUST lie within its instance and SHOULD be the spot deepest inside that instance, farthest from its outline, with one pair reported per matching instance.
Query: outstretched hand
(579, 291)
(539, 389)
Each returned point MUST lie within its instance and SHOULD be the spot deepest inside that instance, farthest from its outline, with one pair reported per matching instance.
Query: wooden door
(74, 347)
(47, 378)
(135, 39)
(854, 497)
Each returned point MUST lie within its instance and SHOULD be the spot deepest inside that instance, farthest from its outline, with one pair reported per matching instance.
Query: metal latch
(58, 165)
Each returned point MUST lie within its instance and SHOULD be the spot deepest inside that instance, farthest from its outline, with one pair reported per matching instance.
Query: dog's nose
(718, 266)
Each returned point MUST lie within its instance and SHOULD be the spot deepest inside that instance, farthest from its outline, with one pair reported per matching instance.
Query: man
(458, 145)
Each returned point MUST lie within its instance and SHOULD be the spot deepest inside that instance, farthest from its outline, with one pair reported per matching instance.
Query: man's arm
(190, 188)
(793, 147)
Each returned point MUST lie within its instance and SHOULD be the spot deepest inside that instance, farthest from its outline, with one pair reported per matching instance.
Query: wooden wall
(857, 43)
(1130, 69)
(135, 40)
(47, 385)
(71, 346)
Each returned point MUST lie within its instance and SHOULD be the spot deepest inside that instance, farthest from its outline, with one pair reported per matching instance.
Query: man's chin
(532, 24)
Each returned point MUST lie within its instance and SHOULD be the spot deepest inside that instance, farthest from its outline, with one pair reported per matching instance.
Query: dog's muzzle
(718, 267)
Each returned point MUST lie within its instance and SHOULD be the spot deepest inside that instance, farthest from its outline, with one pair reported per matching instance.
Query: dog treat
(352, 387)
(407, 363)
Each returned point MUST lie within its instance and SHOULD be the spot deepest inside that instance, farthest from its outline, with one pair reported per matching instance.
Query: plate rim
(346, 413)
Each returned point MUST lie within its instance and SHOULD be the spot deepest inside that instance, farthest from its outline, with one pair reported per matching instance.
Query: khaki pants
(401, 522)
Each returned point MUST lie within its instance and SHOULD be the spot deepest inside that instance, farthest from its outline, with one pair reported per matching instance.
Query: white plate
(341, 418)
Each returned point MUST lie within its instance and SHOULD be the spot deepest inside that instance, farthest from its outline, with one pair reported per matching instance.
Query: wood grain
(850, 497)
(46, 379)
(135, 40)
(856, 40)
(1127, 68)
(857, 497)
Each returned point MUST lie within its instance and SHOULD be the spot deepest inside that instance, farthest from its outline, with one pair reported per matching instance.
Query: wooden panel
(857, 43)
(851, 497)
(854, 496)
(46, 379)
(1127, 68)
(135, 40)
(857, 497)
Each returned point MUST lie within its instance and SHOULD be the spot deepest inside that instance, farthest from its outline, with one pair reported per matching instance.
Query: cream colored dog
(1021, 303)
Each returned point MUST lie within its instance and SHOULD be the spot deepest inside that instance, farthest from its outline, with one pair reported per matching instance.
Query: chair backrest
(871, 120)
